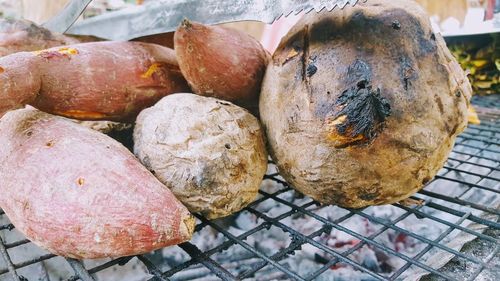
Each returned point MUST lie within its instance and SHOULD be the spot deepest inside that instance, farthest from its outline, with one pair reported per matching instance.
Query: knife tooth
(325, 5)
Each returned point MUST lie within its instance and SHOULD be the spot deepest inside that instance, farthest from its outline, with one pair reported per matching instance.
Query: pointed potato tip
(186, 24)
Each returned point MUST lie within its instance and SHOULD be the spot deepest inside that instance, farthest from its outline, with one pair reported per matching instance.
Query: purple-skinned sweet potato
(80, 194)
(90, 81)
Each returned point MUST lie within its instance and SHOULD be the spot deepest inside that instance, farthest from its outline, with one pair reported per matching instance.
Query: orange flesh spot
(336, 137)
(68, 51)
(343, 139)
(291, 54)
(155, 67)
(80, 181)
(1, 69)
(61, 51)
(80, 114)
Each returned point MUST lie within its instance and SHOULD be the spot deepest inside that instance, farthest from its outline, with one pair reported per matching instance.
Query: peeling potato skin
(221, 62)
(91, 81)
(25, 36)
(388, 49)
(80, 194)
(209, 152)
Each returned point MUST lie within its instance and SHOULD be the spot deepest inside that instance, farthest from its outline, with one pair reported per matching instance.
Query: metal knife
(165, 15)
(70, 13)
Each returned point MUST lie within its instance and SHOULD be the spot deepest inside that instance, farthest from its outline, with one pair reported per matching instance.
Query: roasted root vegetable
(80, 194)
(90, 81)
(362, 106)
(23, 35)
(209, 152)
(221, 62)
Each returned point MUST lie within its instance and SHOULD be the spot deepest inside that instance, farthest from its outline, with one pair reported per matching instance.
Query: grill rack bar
(477, 147)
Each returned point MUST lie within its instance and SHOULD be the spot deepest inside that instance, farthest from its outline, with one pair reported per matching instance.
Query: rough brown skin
(24, 36)
(80, 194)
(221, 62)
(362, 106)
(90, 81)
(209, 152)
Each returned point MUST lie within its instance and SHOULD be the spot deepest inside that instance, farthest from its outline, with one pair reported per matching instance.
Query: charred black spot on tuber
(396, 25)
(358, 71)
(311, 70)
(365, 111)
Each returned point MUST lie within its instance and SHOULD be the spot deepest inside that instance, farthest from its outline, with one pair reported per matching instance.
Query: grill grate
(462, 199)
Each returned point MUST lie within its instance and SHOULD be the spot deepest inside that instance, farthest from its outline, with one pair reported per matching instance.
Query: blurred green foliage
(479, 55)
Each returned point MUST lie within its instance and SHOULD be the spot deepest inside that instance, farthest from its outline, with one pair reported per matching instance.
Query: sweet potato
(23, 35)
(90, 81)
(363, 105)
(209, 152)
(79, 193)
(221, 62)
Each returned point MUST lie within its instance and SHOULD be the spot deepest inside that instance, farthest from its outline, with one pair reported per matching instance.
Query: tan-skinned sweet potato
(210, 153)
(24, 36)
(78, 193)
(362, 106)
(221, 62)
(90, 81)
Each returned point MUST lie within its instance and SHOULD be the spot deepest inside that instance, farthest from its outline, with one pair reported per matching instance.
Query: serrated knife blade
(165, 15)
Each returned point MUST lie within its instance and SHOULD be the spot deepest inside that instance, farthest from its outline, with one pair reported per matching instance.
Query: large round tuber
(209, 152)
(362, 106)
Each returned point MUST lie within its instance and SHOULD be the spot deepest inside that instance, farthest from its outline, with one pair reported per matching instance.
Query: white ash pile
(307, 259)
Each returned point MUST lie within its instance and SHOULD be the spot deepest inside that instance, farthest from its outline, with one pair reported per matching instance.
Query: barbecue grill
(460, 206)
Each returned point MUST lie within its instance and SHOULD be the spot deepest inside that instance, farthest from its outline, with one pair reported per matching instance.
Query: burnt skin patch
(407, 72)
(365, 110)
(25, 125)
(396, 25)
(311, 67)
(439, 103)
(311, 70)
(305, 52)
(426, 180)
(358, 71)
(454, 130)
(369, 196)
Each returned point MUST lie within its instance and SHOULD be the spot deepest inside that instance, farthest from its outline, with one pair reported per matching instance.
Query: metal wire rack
(472, 168)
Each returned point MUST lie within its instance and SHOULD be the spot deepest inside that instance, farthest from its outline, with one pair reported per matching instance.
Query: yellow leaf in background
(483, 84)
(472, 116)
(479, 63)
